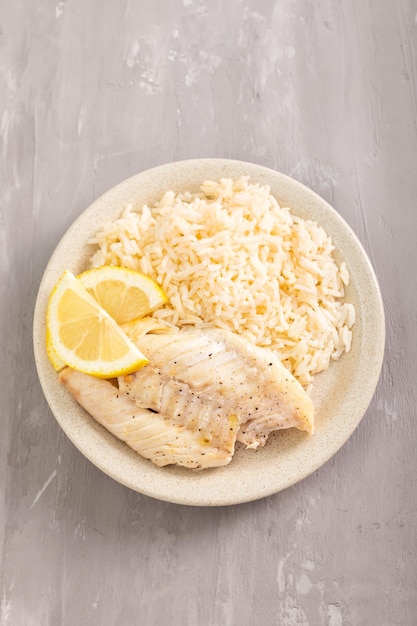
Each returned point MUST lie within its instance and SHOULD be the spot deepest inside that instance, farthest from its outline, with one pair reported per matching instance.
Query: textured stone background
(92, 92)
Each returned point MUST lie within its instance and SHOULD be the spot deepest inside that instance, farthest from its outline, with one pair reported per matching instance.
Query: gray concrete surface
(94, 91)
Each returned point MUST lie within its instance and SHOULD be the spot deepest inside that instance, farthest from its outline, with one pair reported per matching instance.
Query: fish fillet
(153, 435)
(199, 376)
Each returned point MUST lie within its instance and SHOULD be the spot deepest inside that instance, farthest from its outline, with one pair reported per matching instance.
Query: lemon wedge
(124, 293)
(81, 334)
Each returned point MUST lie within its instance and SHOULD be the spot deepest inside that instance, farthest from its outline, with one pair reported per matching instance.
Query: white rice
(230, 256)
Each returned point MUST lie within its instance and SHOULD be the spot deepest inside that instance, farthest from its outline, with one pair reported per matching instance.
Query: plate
(341, 395)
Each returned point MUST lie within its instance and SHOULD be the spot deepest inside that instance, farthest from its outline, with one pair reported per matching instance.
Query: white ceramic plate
(341, 395)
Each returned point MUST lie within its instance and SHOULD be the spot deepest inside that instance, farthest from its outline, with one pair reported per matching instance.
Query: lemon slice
(81, 334)
(124, 293)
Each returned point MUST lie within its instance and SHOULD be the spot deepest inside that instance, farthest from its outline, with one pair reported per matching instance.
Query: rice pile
(230, 256)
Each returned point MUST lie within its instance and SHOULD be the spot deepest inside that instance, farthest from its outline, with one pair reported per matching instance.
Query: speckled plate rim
(341, 395)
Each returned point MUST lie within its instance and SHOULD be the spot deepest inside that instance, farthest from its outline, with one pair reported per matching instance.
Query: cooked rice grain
(230, 256)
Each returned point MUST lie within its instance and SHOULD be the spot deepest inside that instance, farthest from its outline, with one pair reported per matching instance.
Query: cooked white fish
(202, 390)
(200, 376)
(155, 436)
